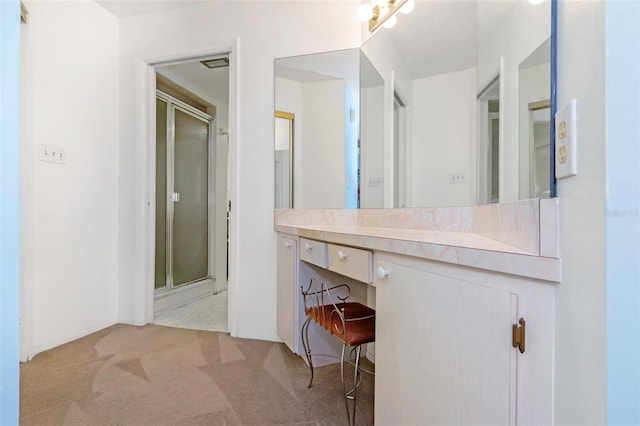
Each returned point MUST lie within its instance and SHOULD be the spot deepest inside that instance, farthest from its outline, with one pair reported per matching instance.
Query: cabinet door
(443, 350)
(287, 254)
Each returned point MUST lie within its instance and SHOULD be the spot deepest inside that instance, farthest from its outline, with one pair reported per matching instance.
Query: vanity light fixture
(383, 12)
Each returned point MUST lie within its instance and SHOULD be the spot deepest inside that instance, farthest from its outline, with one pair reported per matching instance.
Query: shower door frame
(200, 286)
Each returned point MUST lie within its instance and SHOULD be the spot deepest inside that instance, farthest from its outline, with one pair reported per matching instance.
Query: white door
(287, 290)
(443, 350)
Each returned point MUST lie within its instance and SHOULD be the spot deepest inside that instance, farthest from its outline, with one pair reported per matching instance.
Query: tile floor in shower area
(208, 313)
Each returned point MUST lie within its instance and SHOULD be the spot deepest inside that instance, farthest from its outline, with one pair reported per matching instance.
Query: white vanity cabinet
(444, 349)
(351, 262)
(444, 353)
(299, 260)
(288, 290)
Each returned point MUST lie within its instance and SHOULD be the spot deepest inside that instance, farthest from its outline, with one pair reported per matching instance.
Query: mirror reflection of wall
(322, 90)
(424, 138)
(400, 166)
(535, 115)
(372, 181)
(428, 64)
(488, 152)
(540, 150)
(514, 43)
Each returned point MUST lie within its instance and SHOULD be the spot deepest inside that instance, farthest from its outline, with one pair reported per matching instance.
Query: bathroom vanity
(452, 108)
(452, 289)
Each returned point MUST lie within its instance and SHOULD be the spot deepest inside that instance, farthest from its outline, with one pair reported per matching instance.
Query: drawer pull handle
(308, 246)
(288, 244)
(381, 272)
(342, 255)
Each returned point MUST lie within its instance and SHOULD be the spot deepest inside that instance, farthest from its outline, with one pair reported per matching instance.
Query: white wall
(71, 266)
(442, 134)
(259, 32)
(580, 357)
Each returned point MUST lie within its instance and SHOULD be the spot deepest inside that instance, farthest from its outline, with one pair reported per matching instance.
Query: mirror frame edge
(553, 193)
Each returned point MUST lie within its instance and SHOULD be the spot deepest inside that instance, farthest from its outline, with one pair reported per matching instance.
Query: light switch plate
(457, 178)
(566, 141)
(52, 154)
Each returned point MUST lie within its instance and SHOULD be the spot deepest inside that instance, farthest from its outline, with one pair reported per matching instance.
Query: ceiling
(441, 36)
(437, 36)
(210, 84)
(124, 8)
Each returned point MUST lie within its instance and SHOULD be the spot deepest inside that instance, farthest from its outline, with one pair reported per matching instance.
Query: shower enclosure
(184, 193)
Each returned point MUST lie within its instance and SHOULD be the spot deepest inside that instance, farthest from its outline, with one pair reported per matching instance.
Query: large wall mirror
(450, 107)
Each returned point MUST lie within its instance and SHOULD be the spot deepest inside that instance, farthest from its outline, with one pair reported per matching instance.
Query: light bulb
(365, 12)
(380, 3)
(408, 6)
(389, 23)
(534, 2)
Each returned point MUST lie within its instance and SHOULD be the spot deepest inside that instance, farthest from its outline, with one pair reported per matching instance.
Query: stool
(351, 322)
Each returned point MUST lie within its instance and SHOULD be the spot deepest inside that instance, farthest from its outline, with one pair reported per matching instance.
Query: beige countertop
(462, 248)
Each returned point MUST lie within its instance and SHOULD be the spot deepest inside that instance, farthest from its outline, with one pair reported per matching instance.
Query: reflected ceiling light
(391, 22)
(365, 12)
(380, 12)
(408, 6)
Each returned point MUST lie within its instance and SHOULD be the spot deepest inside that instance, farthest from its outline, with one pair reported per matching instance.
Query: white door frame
(143, 292)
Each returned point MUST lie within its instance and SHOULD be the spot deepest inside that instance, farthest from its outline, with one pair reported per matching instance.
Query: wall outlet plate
(566, 141)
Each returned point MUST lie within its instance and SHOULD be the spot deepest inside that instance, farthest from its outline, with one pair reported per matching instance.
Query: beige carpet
(155, 375)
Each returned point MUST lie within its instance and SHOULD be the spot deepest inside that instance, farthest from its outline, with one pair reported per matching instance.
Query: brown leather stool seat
(351, 322)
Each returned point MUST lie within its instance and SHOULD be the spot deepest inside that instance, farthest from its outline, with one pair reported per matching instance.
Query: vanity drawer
(351, 262)
(314, 252)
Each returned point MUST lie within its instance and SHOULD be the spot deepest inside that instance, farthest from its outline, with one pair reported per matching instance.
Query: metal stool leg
(351, 394)
(307, 348)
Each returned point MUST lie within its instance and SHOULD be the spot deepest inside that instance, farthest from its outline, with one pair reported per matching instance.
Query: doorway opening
(192, 195)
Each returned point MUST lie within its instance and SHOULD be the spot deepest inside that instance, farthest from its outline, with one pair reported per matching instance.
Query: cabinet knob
(381, 272)
(342, 255)
(288, 244)
(308, 246)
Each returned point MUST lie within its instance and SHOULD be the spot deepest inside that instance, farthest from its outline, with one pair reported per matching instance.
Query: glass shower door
(190, 249)
(182, 195)
(162, 225)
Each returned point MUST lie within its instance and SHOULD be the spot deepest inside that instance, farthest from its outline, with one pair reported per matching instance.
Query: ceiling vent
(216, 62)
